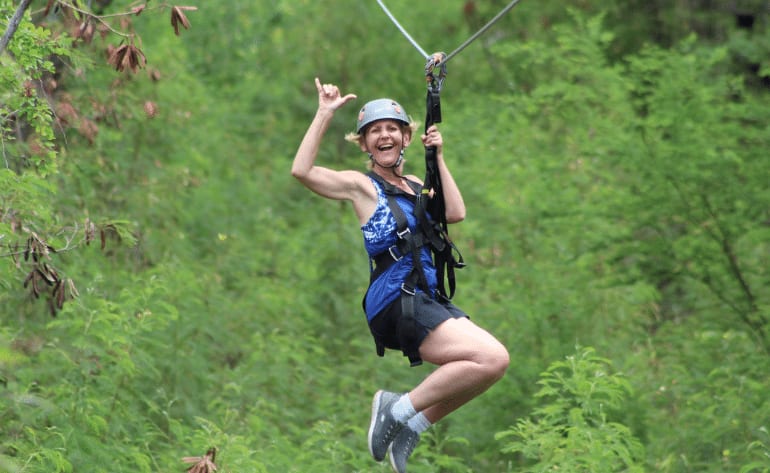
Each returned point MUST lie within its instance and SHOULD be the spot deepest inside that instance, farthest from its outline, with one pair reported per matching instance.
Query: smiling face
(384, 140)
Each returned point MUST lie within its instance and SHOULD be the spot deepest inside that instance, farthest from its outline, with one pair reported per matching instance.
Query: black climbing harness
(426, 233)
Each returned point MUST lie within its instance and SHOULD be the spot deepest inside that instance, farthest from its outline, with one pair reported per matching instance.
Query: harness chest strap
(408, 242)
(427, 232)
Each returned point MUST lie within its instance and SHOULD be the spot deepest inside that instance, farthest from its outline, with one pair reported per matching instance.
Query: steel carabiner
(435, 60)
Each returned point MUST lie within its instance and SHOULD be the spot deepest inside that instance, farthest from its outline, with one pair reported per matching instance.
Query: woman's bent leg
(469, 360)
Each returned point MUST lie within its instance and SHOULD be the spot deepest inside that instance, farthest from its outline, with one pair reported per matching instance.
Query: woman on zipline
(469, 359)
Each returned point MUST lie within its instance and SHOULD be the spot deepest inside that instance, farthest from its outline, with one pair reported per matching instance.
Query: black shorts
(391, 329)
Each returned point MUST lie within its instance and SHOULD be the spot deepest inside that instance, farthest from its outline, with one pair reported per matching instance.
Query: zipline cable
(459, 48)
(482, 30)
(403, 31)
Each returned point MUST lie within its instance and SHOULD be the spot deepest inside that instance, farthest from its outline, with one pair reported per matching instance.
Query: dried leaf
(45, 277)
(49, 273)
(125, 62)
(89, 130)
(50, 85)
(117, 55)
(85, 31)
(66, 113)
(150, 109)
(178, 17)
(73, 291)
(139, 59)
(138, 9)
(29, 89)
(204, 464)
(58, 294)
(154, 75)
(35, 287)
(38, 246)
(127, 56)
(28, 278)
(90, 231)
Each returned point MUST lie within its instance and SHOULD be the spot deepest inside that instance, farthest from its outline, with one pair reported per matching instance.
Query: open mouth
(385, 147)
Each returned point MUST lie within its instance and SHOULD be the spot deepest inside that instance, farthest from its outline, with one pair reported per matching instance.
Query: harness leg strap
(407, 330)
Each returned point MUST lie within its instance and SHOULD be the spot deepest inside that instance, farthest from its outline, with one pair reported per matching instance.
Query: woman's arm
(339, 185)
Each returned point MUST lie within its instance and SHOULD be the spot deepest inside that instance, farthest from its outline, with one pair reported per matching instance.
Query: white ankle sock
(403, 410)
(419, 423)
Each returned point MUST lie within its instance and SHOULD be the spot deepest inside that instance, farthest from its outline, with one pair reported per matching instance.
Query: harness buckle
(408, 290)
(393, 255)
(402, 234)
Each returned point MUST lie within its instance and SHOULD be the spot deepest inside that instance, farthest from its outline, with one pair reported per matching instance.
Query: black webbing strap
(406, 242)
(406, 328)
(444, 254)
(411, 243)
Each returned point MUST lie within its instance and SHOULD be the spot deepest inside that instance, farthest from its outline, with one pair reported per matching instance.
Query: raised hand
(329, 96)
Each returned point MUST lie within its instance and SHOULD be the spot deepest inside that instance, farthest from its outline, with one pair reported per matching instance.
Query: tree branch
(733, 266)
(13, 25)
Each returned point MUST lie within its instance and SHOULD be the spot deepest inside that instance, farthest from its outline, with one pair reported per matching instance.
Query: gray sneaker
(384, 426)
(401, 447)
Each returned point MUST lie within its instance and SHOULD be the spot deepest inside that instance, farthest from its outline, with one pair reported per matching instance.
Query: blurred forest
(168, 288)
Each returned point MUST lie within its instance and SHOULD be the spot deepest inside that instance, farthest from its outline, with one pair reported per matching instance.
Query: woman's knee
(495, 361)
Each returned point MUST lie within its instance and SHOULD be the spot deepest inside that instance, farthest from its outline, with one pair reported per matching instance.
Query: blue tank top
(379, 235)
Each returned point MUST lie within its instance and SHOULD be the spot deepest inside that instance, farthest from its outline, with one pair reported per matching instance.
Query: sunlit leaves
(573, 429)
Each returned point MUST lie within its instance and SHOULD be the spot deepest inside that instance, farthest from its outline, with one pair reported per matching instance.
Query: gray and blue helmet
(380, 109)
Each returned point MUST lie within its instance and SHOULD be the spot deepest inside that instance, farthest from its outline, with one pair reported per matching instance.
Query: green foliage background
(618, 239)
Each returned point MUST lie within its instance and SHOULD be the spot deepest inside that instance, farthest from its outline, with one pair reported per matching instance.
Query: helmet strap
(392, 166)
(400, 158)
